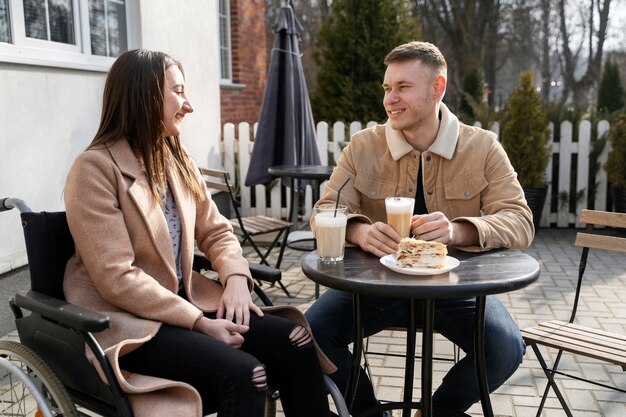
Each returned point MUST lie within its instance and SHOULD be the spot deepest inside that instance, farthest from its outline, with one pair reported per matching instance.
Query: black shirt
(420, 203)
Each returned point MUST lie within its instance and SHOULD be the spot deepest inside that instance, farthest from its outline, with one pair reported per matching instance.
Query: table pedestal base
(407, 404)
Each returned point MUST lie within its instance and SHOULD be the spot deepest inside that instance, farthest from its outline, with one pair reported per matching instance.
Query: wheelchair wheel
(28, 387)
(337, 397)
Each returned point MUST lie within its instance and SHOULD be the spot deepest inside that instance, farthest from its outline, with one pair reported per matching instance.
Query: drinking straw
(339, 192)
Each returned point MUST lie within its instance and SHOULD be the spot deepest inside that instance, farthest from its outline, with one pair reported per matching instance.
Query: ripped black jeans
(232, 382)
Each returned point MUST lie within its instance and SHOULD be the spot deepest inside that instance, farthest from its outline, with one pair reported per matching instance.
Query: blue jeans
(331, 319)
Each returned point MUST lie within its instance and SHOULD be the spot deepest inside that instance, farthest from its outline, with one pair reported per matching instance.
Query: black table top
(486, 273)
(305, 172)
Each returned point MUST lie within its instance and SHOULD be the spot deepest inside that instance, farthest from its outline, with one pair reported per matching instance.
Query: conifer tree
(616, 162)
(525, 133)
(611, 91)
(472, 94)
(352, 44)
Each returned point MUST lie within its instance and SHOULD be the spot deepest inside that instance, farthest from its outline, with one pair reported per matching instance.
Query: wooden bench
(566, 336)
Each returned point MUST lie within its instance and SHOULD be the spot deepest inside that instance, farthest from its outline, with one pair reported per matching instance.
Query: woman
(180, 344)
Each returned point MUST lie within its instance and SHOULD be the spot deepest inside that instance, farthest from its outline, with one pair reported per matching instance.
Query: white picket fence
(237, 147)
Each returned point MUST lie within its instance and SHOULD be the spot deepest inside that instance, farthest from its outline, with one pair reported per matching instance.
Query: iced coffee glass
(330, 231)
(399, 213)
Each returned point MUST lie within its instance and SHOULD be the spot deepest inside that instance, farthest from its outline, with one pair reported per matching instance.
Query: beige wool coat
(124, 266)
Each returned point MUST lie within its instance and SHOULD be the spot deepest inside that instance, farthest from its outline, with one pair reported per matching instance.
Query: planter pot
(536, 198)
(619, 199)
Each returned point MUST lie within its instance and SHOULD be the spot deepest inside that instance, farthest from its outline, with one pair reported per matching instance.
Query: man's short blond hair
(425, 52)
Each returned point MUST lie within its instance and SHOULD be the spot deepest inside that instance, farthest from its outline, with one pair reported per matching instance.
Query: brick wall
(241, 102)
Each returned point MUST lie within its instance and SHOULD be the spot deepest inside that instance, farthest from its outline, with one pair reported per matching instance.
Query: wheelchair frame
(57, 329)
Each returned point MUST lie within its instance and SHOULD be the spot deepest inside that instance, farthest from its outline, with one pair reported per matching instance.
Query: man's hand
(223, 330)
(379, 238)
(433, 226)
(437, 227)
(236, 302)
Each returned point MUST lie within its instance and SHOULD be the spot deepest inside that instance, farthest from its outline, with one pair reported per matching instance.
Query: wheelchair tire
(337, 397)
(16, 396)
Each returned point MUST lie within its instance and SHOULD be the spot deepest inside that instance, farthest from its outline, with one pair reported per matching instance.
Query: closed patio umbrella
(286, 131)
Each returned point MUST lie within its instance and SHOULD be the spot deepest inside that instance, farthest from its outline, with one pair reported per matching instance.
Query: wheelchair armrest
(265, 273)
(258, 271)
(262, 296)
(61, 311)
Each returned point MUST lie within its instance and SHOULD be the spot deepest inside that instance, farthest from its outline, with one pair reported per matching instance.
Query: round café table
(301, 238)
(477, 275)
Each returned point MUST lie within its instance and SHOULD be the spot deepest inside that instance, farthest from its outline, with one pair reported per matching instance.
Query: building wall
(49, 115)
(189, 33)
(241, 100)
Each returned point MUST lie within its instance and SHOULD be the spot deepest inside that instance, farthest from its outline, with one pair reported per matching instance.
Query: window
(225, 45)
(5, 23)
(50, 20)
(84, 34)
(107, 24)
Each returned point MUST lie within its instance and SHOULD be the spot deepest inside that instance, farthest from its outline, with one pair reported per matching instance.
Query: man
(466, 195)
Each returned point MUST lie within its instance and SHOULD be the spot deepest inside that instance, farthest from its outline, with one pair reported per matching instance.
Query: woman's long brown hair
(132, 109)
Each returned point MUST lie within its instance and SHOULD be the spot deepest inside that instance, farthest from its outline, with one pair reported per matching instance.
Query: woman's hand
(236, 302)
(223, 330)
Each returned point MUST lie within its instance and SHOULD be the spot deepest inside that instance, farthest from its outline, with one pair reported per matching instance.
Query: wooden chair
(249, 227)
(566, 336)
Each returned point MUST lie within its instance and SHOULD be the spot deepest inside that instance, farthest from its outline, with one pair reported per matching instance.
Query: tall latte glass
(330, 231)
(399, 213)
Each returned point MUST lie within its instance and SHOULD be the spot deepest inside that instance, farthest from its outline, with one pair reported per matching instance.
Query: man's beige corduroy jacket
(467, 176)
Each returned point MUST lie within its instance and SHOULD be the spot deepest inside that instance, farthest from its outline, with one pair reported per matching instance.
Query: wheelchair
(48, 373)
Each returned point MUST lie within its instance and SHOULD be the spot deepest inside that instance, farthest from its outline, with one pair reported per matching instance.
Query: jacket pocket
(374, 189)
(463, 195)
(373, 193)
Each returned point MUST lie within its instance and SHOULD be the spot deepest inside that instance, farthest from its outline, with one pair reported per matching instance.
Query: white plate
(390, 262)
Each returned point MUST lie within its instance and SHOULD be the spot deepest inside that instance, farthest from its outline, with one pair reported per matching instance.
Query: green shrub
(615, 165)
(610, 91)
(525, 133)
(472, 94)
(351, 46)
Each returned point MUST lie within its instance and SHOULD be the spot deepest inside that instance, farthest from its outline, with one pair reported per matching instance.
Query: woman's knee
(259, 378)
(248, 375)
(300, 337)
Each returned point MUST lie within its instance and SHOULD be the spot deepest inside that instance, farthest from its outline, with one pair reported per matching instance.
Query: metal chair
(566, 336)
(250, 227)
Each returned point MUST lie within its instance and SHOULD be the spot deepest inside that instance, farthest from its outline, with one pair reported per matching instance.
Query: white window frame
(229, 47)
(31, 51)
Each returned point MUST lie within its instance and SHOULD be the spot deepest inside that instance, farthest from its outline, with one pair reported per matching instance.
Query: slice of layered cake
(421, 254)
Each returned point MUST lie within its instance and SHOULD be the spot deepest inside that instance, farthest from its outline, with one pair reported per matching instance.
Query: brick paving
(603, 305)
